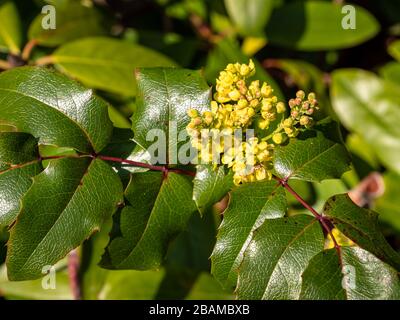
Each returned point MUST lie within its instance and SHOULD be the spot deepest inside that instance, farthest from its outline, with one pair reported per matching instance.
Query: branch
(73, 274)
(4, 65)
(26, 52)
(319, 217)
(164, 169)
(146, 165)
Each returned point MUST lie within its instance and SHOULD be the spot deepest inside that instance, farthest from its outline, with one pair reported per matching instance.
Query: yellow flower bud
(242, 103)
(279, 138)
(304, 120)
(234, 95)
(214, 107)
(244, 70)
(280, 107)
(287, 123)
(250, 112)
(208, 117)
(266, 90)
(300, 94)
(192, 113)
(263, 124)
(197, 121)
(260, 173)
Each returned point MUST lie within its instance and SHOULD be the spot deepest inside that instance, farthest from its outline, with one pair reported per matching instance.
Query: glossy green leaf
(207, 288)
(361, 226)
(394, 50)
(370, 107)
(164, 97)
(314, 155)
(317, 25)
(391, 72)
(73, 21)
(10, 27)
(54, 109)
(249, 16)
(277, 256)
(67, 202)
(356, 275)
(249, 206)
(19, 162)
(158, 209)
(33, 289)
(131, 285)
(388, 205)
(106, 64)
(210, 185)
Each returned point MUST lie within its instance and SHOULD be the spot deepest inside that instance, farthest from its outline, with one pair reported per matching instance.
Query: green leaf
(391, 72)
(388, 205)
(361, 226)
(277, 256)
(249, 206)
(210, 185)
(355, 275)
(54, 109)
(10, 27)
(164, 97)
(73, 21)
(250, 16)
(370, 107)
(19, 162)
(159, 209)
(314, 155)
(105, 63)
(131, 285)
(66, 203)
(118, 120)
(33, 289)
(317, 25)
(394, 50)
(207, 288)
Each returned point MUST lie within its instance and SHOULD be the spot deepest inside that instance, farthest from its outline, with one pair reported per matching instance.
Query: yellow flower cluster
(340, 238)
(236, 106)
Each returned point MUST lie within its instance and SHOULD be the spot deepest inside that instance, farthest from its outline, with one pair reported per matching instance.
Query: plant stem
(44, 61)
(164, 169)
(73, 274)
(4, 65)
(318, 216)
(26, 52)
(146, 165)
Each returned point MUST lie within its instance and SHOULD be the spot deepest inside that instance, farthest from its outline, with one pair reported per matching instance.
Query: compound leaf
(107, 64)
(249, 206)
(164, 97)
(210, 185)
(314, 155)
(66, 203)
(355, 275)
(158, 209)
(54, 109)
(19, 162)
(277, 256)
(361, 226)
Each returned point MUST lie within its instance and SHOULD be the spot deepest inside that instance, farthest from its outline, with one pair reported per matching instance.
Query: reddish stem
(318, 216)
(73, 274)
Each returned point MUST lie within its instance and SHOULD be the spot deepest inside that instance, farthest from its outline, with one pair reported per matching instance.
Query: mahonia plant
(64, 171)
(236, 105)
